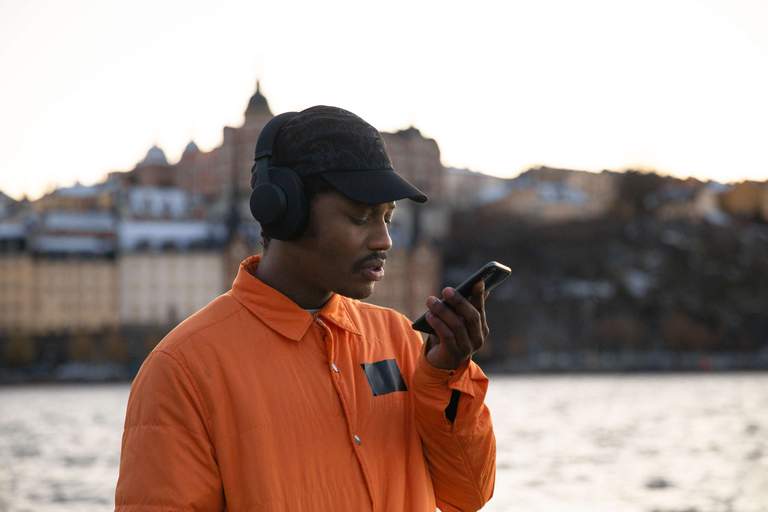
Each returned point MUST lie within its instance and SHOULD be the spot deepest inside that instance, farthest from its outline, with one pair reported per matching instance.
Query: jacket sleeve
(167, 461)
(461, 454)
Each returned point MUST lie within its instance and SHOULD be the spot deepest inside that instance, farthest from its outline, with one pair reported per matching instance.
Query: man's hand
(460, 329)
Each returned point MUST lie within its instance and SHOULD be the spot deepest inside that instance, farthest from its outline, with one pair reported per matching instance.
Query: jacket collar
(278, 311)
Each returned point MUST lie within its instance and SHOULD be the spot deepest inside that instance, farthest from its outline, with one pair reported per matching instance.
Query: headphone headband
(263, 153)
(277, 199)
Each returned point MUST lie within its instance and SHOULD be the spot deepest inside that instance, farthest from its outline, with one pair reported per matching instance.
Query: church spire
(258, 103)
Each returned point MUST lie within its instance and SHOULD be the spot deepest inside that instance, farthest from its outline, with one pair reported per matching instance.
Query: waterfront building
(74, 292)
(745, 200)
(74, 283)
(162, 287)
(16, 279)
(547, 195)
(76, 198)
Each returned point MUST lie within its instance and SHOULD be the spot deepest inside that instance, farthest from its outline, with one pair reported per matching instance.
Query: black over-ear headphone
(278, 201)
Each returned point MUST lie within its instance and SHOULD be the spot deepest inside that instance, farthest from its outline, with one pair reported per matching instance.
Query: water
(567, 443)
(60, 447)
(632, 443)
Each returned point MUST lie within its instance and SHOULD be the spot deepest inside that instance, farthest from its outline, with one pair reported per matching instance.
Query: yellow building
(74, 293)
(558, 195)
(17, 311)
(744, 199)
(77, 198)
(162, 288)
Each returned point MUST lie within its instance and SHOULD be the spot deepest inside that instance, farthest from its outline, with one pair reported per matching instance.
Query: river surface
(669, 443)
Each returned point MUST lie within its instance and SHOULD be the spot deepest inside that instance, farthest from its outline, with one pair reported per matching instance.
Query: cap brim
(373, 186)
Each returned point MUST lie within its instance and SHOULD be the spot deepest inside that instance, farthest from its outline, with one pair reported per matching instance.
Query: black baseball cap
(348, 152)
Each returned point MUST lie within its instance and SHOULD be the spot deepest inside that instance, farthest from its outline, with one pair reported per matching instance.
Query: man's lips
(373, 270)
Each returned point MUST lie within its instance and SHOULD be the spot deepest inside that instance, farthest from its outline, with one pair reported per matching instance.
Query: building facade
(164, 287)
(17, 286)
(547, 195)
(74, 293)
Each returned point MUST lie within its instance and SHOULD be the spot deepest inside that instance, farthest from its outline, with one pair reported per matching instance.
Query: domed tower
(155, 156)
(154, 170)
(236, 153)
(190, 150)
(258, 108)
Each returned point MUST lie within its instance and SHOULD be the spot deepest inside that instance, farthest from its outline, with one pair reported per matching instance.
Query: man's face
(345, 245)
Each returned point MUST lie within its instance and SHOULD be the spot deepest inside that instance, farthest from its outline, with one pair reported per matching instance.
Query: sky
(677, 86)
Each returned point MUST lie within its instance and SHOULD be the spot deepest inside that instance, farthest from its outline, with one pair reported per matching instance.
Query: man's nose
(380, 239)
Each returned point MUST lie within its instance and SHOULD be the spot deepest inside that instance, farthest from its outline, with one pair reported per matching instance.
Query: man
(288, 394)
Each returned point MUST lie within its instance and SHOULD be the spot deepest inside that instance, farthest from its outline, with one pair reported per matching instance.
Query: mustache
(373, 256)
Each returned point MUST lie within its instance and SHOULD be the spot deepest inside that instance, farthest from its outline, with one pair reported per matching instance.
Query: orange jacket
(254, 404)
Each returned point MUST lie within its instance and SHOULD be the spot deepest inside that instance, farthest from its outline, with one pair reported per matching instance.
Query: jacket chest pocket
(387, 394)
(384, 377)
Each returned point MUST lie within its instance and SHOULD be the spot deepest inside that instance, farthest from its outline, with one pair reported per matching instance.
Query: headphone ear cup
(280, 205)
(267, 203)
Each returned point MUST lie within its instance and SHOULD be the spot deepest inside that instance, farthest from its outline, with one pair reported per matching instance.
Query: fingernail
(449, 293)
(431, 300)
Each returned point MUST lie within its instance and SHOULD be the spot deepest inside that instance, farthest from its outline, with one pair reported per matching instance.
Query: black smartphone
(493, 273)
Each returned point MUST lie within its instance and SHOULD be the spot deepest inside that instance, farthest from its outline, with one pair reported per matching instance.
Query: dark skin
(343, 239)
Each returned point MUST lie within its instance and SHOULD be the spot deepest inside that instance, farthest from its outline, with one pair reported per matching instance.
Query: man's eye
(388, 220)
(359, 220)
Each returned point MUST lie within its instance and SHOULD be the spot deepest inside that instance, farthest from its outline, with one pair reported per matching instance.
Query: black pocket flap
(384, 377)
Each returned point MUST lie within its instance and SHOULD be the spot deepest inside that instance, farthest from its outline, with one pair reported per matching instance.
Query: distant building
(466, 189)
(7, 205)
(154, 170)
(677, 200)
(164, 287)
(74, 293)
(17, 277)
(17, 306)
(199, 173)
(168, 269)
(65, 233)
(744, 200)
(224, 171)
(77, 198)
(73, 278)
(555, 195)
(13, 236)
(148, 202)
(180, 235)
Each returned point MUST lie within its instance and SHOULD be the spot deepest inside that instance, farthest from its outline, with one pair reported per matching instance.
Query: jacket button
(335, 368)
(357, 439)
